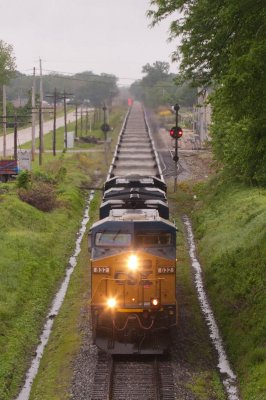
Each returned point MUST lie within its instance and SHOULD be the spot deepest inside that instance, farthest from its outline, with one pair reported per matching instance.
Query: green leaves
(223, 45)
(7, 62)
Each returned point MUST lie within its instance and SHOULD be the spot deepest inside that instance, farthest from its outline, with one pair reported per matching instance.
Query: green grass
(56, 369)
(35, 248)
(231, 230)
(197, 353)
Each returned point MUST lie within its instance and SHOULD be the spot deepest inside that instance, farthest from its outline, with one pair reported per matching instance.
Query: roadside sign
(24, 160)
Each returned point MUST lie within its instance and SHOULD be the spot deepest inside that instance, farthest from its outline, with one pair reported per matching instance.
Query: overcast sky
(111, 36)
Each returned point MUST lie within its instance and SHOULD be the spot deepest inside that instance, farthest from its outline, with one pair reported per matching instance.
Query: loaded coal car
(133, 257)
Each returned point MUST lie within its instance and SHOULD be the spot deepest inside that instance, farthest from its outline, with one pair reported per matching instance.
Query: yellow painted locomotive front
(131, 280)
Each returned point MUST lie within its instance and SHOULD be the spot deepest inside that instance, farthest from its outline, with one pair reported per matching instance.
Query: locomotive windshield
(153, 239)
(115, 239)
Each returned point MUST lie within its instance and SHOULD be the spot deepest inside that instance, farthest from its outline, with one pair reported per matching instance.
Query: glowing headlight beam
(111, 303)
(155, 302)
(133, 263)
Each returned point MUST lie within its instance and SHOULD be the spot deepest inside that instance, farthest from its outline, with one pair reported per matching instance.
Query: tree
(223, 44)
(158, 87)
(7, 63)
(158, 71)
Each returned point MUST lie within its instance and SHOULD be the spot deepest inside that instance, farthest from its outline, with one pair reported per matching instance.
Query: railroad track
(135, 153)
(133, 378)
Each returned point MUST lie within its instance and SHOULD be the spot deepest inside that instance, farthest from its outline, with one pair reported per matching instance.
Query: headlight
(155, 303)
(111, 302)
(132, 263)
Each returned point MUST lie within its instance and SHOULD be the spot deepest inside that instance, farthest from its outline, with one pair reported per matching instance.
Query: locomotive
(133, 249)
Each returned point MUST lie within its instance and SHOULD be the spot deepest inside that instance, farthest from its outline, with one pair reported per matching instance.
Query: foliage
(159, 87)
(23, 179)
(40, 195)
(231, 232)
(35, 249)
(84, 86)
(7, 62)
(223, 44)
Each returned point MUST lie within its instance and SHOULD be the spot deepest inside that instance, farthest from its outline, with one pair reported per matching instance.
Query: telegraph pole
(87, 122)
(59, 96)
(4, 120)
(41, 104)
(81, 120)
(33, 119)
(55, 98)
(15, 137)
(104, 121)
(76, 120)
(54, 130)
(65, 120)
(16, 122)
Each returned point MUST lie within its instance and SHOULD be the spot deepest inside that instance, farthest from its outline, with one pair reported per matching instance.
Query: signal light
(176, 132)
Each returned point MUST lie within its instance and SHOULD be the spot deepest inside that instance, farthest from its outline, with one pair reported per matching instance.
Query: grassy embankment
(53, 380)
(192, 344)
(35, 248)
(230, 226)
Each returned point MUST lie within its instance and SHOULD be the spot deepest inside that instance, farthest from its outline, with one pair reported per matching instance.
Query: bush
(41, 195)
(24, 179)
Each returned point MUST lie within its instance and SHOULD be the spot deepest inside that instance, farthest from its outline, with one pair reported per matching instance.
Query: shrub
(41, 195)
(24, 179)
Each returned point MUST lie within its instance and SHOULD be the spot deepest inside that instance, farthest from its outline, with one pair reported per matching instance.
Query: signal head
(176, 132)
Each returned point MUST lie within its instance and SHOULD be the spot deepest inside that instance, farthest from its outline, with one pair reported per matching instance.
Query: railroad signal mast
(176, 133)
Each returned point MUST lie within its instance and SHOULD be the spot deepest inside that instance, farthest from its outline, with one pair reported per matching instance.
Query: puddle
(56, 305)
(228, 376)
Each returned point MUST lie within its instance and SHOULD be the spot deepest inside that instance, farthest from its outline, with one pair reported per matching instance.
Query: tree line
(160, 87)
(223, 45)
(95, 89)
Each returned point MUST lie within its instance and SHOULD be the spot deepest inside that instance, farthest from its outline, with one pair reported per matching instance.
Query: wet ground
(195, 163)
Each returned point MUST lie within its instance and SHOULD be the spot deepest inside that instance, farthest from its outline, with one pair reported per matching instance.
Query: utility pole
(40, 135)
(59, 96)
(15, 137)
(65, 119)
(4, 120)
(81, 120)
(33, 119)
(16, 122)
(54, 130)
(104, 121)
(87, 121)
(41, 104)
(55, 98)
(76, 120)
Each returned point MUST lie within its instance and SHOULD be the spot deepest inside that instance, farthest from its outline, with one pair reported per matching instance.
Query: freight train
(133, 249)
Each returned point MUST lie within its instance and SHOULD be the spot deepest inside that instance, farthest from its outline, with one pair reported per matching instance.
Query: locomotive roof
(138, 215)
